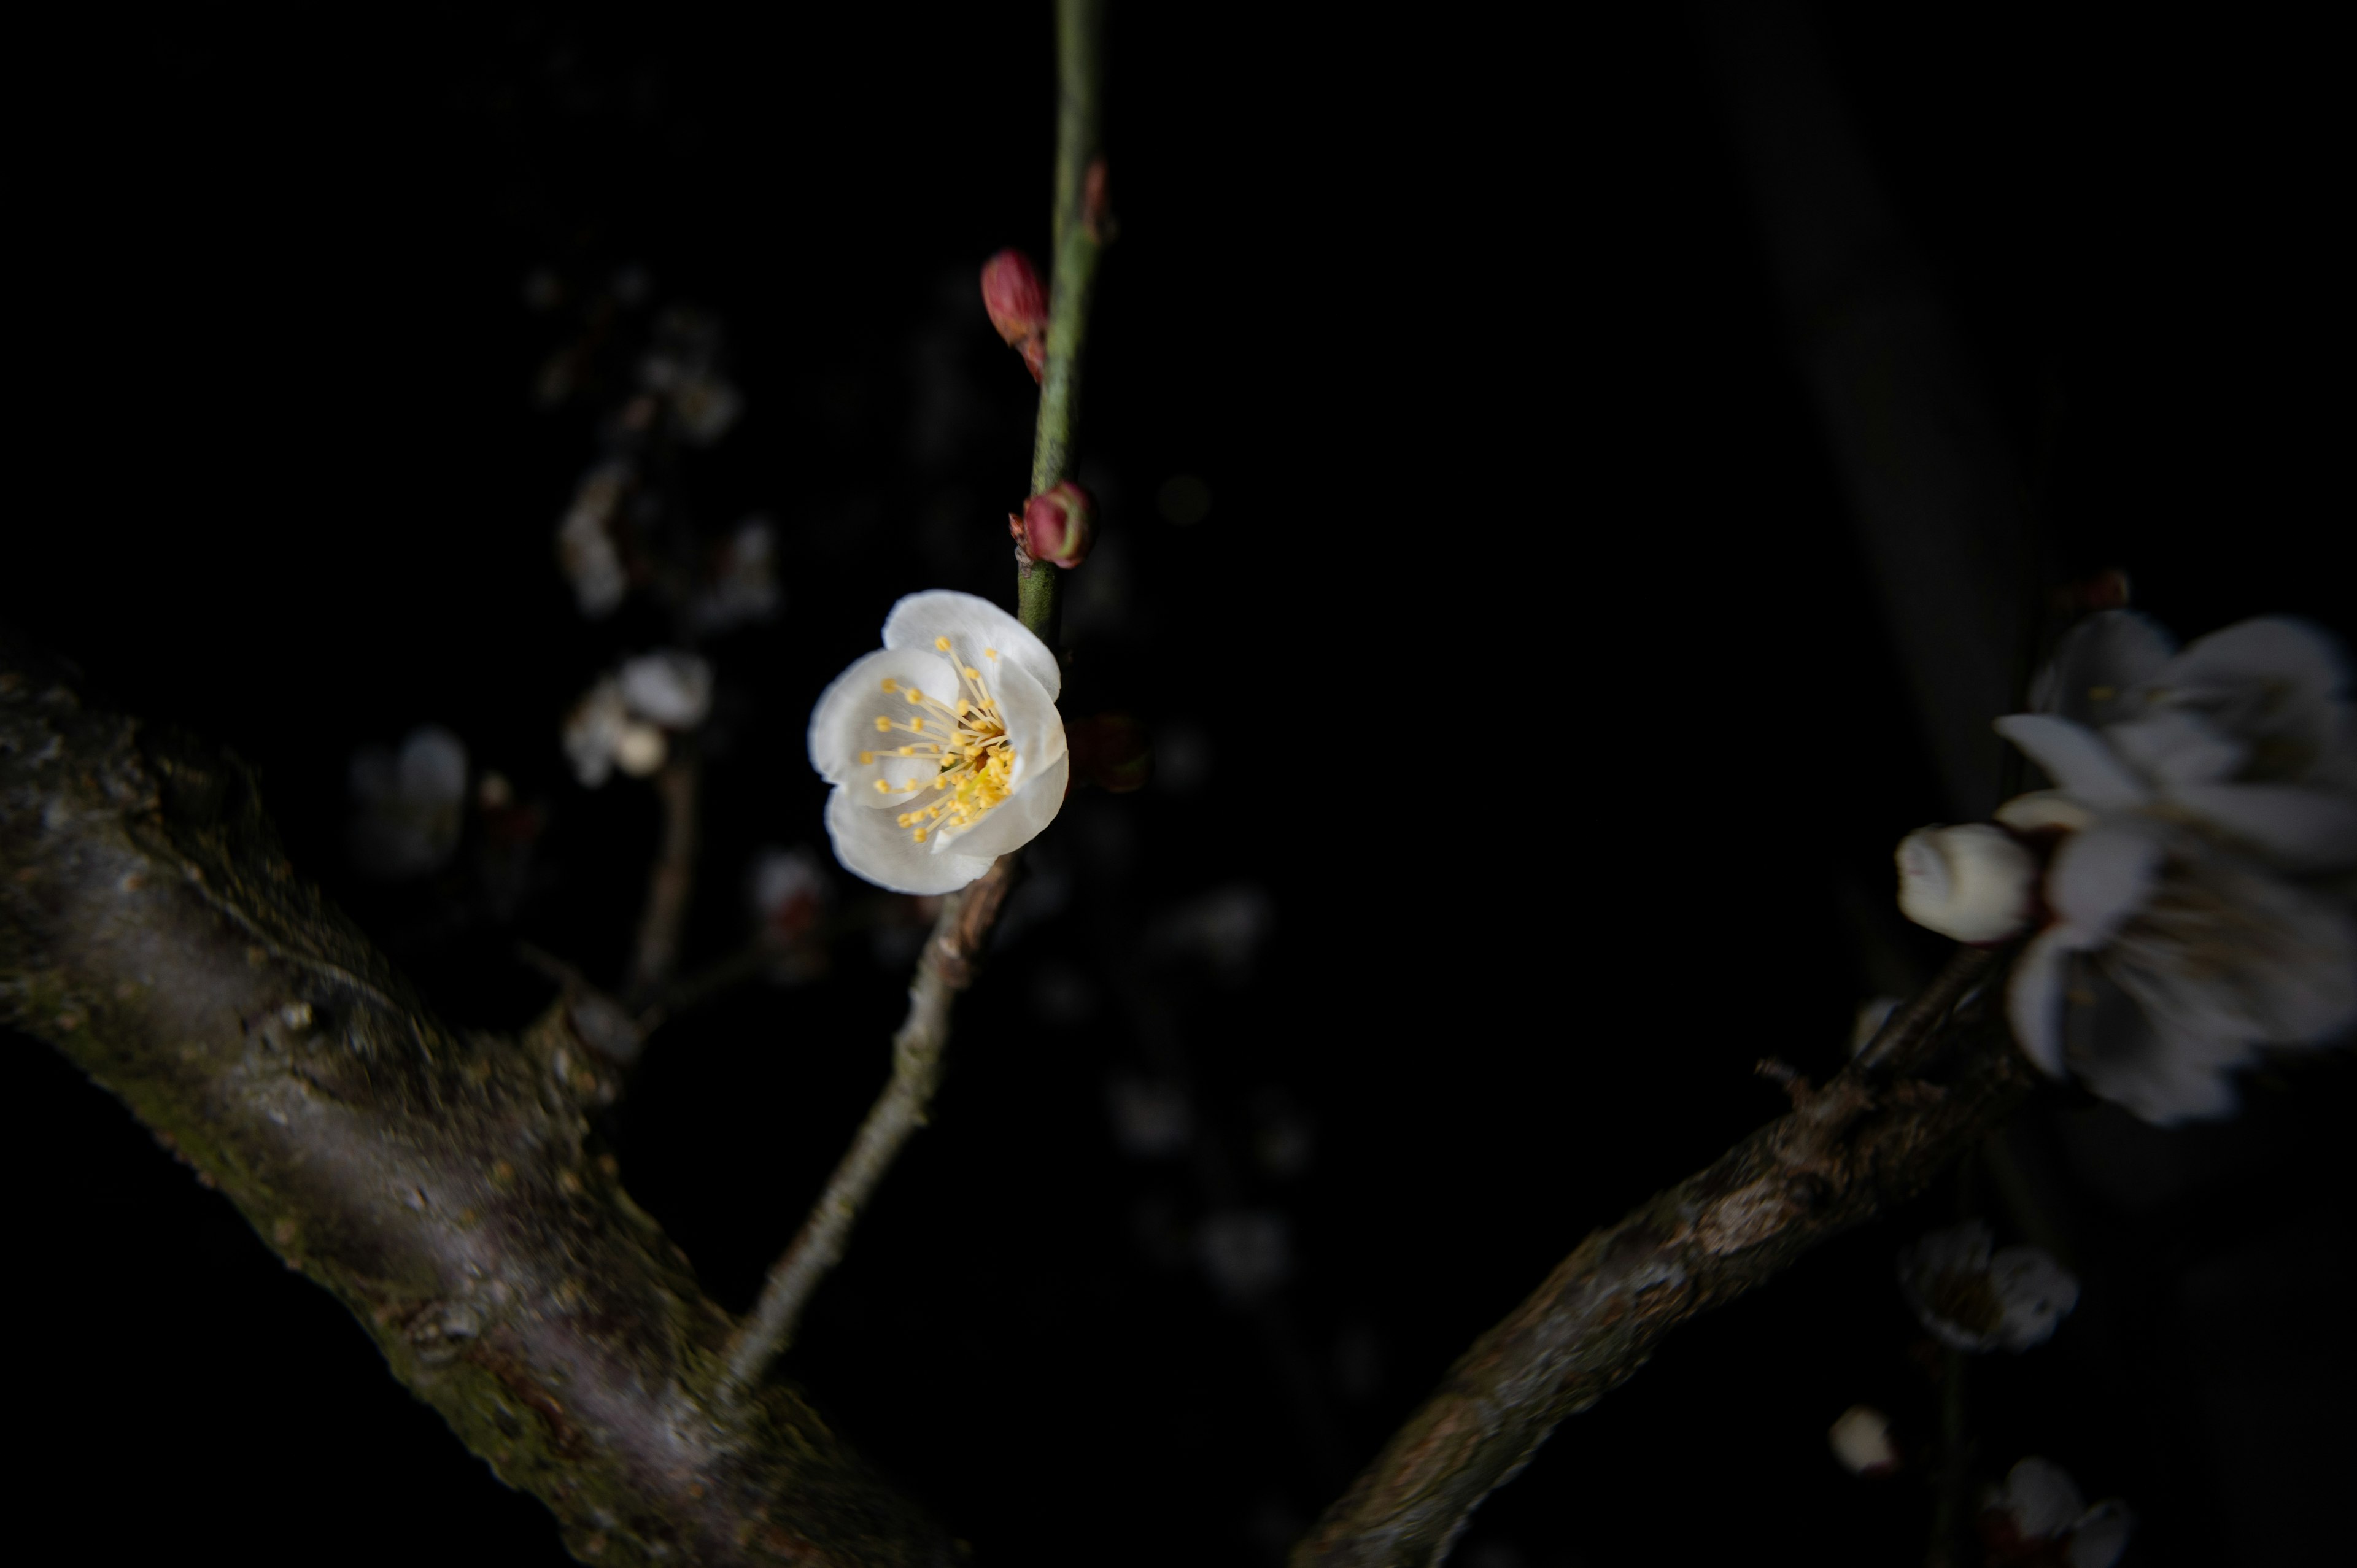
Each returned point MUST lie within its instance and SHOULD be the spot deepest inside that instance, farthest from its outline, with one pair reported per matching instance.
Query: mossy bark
(444, 1185)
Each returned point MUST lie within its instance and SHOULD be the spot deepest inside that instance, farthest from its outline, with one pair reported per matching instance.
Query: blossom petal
(2036, 1291)
(1034, 728)
(871, 845)
(1017, 819)
(2100, 1535)
(2042, 1497)
(972, 625)
(2034, 997)
(2103, 875)
(2177, 745)
(2265, 649)
(2233, 952)
(842, 725)
(2077, 759)
(2166, 1075)
(2098, 663)
(2300, 829)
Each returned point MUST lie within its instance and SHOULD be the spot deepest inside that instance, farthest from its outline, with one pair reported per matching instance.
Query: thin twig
(946, 968)
(670, 883)
(1847, 1153)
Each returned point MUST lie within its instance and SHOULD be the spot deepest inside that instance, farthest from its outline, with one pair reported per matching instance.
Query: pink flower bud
(1017, 303)
(1058, 527)
(1109, 751)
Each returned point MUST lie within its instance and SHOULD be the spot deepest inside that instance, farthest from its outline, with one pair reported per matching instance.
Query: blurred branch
(671, 882)
(442, 1185)
(1083, 226)
(1845, 1153)
(944, 969)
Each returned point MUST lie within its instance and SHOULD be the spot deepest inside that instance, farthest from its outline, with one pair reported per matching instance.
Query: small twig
(945, 968)
(671, 882)
(1909, 1035)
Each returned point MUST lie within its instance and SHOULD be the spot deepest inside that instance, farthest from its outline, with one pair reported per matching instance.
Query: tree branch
(1845, 1153)
(671, 882)
(944, 969)
(443, 1186)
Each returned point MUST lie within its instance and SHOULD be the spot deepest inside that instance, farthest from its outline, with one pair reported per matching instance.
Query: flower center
(966, 738)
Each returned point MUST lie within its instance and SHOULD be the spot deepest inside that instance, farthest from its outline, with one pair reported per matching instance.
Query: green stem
(1079, 242)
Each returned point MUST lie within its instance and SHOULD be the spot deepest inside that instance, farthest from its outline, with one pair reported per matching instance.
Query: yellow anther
(990, 653)
(883, 725)
(865, 757)
(908, 751)
(917, 724)
(920, 835)
(882, 787)
(969, 673)
(942, 643)
(890, 684)
(915, 695)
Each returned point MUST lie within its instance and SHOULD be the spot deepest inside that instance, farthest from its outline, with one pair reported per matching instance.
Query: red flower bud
(1109, 751)
(1017, 303)
(1059, 527)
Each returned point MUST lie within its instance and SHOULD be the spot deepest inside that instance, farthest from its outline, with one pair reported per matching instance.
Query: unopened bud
(1017, 303)
(1972, 883)
(1109, 751)
(1058, 527)
(1861, 1441)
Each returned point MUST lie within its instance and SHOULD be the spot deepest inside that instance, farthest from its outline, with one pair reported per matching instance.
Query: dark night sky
(1466, 328)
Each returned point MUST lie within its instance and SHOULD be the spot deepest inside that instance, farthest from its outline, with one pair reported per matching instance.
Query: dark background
(1535, 681)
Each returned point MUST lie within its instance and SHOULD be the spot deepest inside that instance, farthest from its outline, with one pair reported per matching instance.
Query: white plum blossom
(1972, 882)
(945, 749)
(2040, 1507)
(584, 539)
(602, 734)
(1974, 1299)
(668, 688)
(2207, 801)
(1861, 1441)
(411, 806)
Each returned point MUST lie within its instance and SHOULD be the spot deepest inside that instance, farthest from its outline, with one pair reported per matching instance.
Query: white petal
(2103, 875)
(2100, 1535)
(433, 765)
(2300, 829)
(671, 688)
(1017, 819)
(2037, 1293)
(1034, 728)
(2096, 664)
(2034, 997)
(2177, 745)
(972, 625)
(2042, 1497)
(2233, 952)
(2077, 759)
(2176, 1077)
(2267, 649)
(2043, 809)
(842, 724)
(871, 846)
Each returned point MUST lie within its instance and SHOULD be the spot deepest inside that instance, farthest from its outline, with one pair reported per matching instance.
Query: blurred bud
(2044, 811)
(1058, 527)
(601, 734)
(1096, 205)
(1017, 303)
(1109, 751)
(1861, 1441)
(789, 890)
(409, 805)
(1972, 883)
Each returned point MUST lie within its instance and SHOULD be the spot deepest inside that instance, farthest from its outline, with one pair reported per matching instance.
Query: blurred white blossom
(1227, 928)
(2040, 1509)
(683, 367)
(743, 586)
(409, 805)
(668, 688)
(584, 539)
(1247, 1252)
(2207, 801)
(1861, 1441)
(601, 734)
(788, 888)
(1973, 1299)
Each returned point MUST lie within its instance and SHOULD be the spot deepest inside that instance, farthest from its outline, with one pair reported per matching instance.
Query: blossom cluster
(2193, 901)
